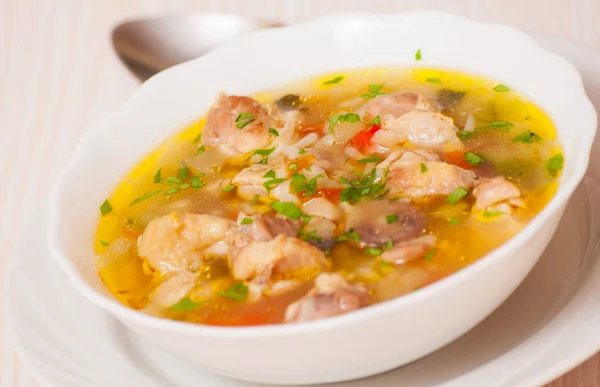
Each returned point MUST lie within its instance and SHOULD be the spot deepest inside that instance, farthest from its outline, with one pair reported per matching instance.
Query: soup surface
(325, 196)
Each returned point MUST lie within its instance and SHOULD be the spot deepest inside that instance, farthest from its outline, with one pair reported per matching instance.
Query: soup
(325, 196)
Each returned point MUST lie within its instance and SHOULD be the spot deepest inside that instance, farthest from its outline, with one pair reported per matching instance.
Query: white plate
(549, 325)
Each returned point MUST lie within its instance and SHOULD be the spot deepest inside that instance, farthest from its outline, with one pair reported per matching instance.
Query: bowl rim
(113, 306)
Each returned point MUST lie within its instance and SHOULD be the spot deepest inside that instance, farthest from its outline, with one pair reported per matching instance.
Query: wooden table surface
(58, 74)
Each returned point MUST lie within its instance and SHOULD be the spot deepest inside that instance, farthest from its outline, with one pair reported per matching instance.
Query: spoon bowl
(149, 46)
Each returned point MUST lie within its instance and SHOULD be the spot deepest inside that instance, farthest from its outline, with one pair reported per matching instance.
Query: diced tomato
(362, 140)
(457, 158)
(331, 194)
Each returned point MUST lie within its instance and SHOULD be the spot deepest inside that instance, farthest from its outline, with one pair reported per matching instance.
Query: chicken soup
(325, 196)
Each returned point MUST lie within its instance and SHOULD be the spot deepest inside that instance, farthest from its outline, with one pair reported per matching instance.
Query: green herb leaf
(418, 56)
(374, 90)
(302, 184)
(287, 209)
(527, 137)
(270, 174)
(491, 214)
(183, 172)
(186, 305)
(458, 194)
(105, 244)
(464, 134)
(429, 256)
(200, 150)
(244, 119)
(373, 159)
(347, 117)
(454, 221)
(269, 183)
(312, 236)
(237, 292)
(229, 188)
(293, 167)
(501, 88)
(350, 234)
(302, 151)
(389, 245)
(373, 251)
(198, 138)
(555, 164)
(473, 158)
(144, 197)
(376, 121)
(105, 208)
(254, 200)
(504, 125)
(333, 81)
(423, 168)
(261, 152)
(157, 175)
(384, 264)
(274, 132)
(247, 221)
(364, 186)
(327, 252)
(196, 183)
(433, 80)
(391, 218)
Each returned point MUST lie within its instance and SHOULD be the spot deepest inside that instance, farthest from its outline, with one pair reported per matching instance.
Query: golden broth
(463, 236)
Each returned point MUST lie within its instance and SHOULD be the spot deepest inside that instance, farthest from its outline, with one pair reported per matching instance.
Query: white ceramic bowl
(377, 338)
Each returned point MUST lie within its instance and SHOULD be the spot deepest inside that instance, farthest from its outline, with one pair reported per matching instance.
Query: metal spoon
(152, 45)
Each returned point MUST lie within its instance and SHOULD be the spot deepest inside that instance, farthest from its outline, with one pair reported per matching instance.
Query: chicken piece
(409, 251)
(396, 104)
(250, 180)
(331, 296)
(416, 177)
(236, 125)
(490, 192)
(424, 128)
(319, 232)
(175, 243)
(281, 256)
(370, 221)
(323, 208)
(173, 289)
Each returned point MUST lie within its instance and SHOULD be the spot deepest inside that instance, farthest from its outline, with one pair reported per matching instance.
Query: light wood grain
(58, 74)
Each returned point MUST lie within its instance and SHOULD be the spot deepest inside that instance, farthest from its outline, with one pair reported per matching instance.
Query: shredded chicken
(409, 251)
(396, 104)
(490, 192)
(331, 296)
(424, 128)
(175, 243)
(173, 290)
(323, 208)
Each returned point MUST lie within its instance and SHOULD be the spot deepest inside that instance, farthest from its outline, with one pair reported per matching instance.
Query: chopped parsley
(237, 292)
(183, 172)
(429, 256)
(105, 244)
(274, 132)
(372, 159)
(374, 91)
(473, 158)
(423, 168)
(229, 188)
(391, 218)
(339, 118)
(491, 214)
(273, 182)
(302, 151)
(196, 183)
(186, 305)
(293, 167)
(418, 56)
(364, 186)
(327, 252)
(504, 125)
(198, 138)
(385, 264)
(200, 150)
(302, 185)
(311, 236)
(555, 164)
(144, 197)
(463, 134)
(287, 209)
(454, 221)
(433, 80)
(270, 174)
(458, 194)
(105, 208)
(501, 88)
(527, 137)
(254, 200)
(373, 251)
(333, 81)
(262, 152)
(389, 245)
(375, 121)
(244, 119)
(157, 176)
(247, 221)
(350, 234)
